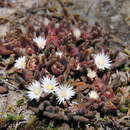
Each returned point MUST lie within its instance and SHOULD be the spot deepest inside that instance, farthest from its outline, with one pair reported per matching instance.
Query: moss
(2, 121)
(18, 118)
(51, 126)
(31, 122)
(20, 102)
(0, 57)
(10, 118)
(10, 108)
(127, 51)
(123, 109)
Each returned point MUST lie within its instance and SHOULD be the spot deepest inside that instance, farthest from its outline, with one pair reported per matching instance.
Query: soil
(114, 15)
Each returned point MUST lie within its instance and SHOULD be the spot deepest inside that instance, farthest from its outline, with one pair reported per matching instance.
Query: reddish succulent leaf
(99, 85)
(129, 79)
(57, 68)
(109, 106)
(85, 35)
(72, 62)
(32, 64)
(128, 98)
(73, 50)
(106, 78)
(29, 50)
(53, 39)
(51, 29)
(28, 75)
(108, 93)
(19, 51)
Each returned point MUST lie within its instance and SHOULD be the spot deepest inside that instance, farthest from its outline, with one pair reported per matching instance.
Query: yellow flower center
(40, 43)
(101, 62)
(50, 87)
(63, 94)
(36, 91)
(23, 63)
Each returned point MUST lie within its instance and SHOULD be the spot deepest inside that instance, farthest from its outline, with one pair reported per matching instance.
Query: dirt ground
(114, 15)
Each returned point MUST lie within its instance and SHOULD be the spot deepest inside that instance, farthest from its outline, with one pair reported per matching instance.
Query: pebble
(3, 90)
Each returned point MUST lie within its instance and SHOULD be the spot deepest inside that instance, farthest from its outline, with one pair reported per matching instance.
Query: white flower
(78, 66)
(91, 74)
(57, 25)
(20, 63)
(93, 95)
(76, 32)
(49, 84)
(46, 21)
(59, 53)
(35, 90)
(65, 92)
(40, 41)
(102, 61)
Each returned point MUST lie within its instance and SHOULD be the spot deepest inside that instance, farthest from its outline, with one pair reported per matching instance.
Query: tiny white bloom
(59, 53)
(78, 66)
(49, 84)
(76, 32)
(20, 63)
(91, 74)
(46, 21)
(40, 41)
(65, 92)
(57, 25)
(73, 102)
(102, 61)
(93, 95)
(35, 90)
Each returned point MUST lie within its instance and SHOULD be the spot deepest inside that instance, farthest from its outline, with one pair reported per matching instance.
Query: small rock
(65, 126)
(115, 18)
(3, 90)
(120, 60)
(4, 50)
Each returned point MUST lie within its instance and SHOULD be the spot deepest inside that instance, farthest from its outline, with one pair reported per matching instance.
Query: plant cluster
(65, 67)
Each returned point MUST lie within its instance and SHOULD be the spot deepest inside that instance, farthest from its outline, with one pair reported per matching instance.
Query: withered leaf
(81, 119)
(4, 50)
(80, 86)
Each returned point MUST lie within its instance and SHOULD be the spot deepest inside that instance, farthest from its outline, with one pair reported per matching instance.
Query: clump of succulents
(65, 69)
